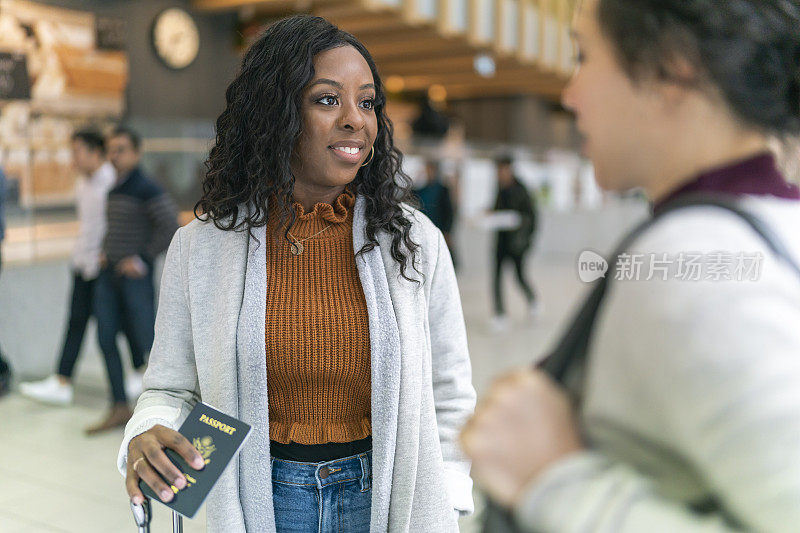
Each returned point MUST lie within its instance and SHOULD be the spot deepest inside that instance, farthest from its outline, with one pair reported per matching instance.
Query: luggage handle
(143, 514)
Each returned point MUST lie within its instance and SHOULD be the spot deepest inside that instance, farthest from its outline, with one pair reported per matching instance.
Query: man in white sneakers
(89, 158)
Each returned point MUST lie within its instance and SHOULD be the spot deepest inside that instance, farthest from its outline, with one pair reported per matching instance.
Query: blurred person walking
(680, 410)
(513, 244)
(97, 178)
(141, 220)
(313, 303)
(5, 368)
(436, 202)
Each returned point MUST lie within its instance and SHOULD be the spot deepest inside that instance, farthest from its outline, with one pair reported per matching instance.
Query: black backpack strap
(573, 346)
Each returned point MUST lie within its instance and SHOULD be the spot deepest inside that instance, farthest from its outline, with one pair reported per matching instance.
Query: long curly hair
(257, 133)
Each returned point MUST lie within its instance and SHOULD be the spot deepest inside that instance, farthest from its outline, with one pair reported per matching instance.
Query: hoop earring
(371, 156)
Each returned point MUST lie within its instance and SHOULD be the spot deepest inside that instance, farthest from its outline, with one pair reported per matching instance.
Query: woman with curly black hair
(311, 302)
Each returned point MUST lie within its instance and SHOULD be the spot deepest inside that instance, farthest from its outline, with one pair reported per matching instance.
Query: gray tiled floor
(53, 478)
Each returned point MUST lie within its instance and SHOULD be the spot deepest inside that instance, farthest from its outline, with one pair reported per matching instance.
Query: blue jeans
(330, 497)
(128, 304)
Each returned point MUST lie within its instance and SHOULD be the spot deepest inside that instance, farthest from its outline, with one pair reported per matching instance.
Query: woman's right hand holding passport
(148, 461)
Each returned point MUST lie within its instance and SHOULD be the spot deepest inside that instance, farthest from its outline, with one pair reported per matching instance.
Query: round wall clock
(176, 38)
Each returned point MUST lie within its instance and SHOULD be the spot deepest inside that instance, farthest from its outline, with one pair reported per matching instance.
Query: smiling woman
(339, 126)
(300, 87)
(311, 302)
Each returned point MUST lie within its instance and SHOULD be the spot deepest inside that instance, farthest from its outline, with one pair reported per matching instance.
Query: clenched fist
(524, 424)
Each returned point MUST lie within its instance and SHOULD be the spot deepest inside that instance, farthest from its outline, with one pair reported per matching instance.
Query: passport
(218, 437)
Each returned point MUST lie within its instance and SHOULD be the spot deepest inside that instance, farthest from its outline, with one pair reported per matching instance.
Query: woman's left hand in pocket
(132, 267)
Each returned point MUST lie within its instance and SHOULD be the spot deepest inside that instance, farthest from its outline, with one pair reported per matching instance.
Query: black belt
(318, 453)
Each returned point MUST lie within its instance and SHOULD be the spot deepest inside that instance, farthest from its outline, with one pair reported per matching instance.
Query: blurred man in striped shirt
(141, 220)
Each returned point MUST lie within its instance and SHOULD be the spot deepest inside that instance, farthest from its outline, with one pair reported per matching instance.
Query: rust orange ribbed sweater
(317, 331)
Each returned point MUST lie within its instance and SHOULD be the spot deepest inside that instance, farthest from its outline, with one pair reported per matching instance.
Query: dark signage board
(110, 33)
(14, 81)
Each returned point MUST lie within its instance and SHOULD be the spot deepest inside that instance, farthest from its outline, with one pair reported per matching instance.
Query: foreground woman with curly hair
(309, 301)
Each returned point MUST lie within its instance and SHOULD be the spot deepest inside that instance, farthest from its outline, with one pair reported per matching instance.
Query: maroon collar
(757, 176)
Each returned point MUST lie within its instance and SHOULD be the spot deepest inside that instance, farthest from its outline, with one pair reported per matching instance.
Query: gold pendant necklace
(297, 247)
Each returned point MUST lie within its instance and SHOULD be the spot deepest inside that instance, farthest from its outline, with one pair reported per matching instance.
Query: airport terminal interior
(467, 82)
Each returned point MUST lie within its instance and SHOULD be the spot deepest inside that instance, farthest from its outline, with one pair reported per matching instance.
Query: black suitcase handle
(143, 515)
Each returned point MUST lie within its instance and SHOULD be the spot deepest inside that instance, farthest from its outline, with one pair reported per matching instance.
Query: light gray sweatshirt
(691, 399)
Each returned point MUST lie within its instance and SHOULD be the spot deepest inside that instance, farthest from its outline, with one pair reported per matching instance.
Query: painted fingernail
(180, 482)
(166, 495)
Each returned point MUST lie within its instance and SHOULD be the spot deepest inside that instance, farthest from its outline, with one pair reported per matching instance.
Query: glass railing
(41, 219)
